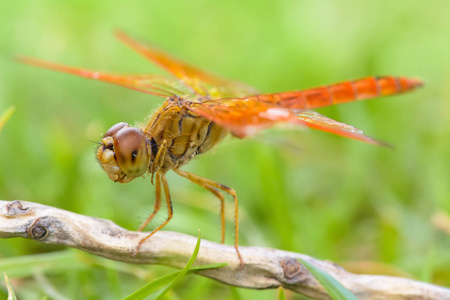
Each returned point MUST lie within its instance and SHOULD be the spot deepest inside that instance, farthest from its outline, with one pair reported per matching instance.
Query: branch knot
(15, 208)
(37, 231)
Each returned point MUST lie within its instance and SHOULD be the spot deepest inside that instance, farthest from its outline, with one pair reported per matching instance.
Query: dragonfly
(199, 110)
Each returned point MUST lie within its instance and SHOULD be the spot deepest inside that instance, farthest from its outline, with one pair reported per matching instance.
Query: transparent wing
(151, 84)
(247, 117)
(201, 83)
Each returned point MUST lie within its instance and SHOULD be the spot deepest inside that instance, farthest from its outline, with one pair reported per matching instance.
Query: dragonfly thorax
(125, 153)
(177, 135)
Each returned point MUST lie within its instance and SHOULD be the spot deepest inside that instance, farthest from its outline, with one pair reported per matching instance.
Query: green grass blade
(11, 295)
(172, 278)
(206, 267)
(235, 294)
(152, 287)
(281, 295)
(428, 265)
(5, 116)
(336, 290)
(162, 281)
(186, 268)
(48, 263)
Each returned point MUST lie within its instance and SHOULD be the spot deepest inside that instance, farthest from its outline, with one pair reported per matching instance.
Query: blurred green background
(368, 208)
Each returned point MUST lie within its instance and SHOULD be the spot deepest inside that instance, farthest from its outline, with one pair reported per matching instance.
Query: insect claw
(136, 250)
(241, 266)
(241, 261)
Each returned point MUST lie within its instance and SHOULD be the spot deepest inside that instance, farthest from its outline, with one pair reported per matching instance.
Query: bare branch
(264, 267)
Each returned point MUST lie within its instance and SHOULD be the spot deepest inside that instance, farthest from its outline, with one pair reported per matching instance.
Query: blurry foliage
(299, 190)
(4, 116)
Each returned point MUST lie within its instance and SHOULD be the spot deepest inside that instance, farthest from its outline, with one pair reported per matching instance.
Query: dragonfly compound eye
(115, 128)
(131, 151)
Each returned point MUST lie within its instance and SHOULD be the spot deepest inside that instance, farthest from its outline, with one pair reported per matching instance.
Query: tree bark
(264, 268)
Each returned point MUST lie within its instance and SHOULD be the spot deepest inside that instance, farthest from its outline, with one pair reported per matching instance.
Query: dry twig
(264, 267)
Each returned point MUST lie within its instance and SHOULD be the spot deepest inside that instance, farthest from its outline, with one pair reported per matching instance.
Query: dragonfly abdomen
(342, 92)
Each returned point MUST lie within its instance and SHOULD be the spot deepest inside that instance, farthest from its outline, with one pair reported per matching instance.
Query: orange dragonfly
(200, 110)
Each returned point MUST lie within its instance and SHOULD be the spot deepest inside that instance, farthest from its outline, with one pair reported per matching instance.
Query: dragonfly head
(124, 153)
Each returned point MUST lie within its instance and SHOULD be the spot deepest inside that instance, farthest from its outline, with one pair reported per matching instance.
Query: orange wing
(248, 115)
(347, 91)
(152, 84)
(200, 82)
(245, 117)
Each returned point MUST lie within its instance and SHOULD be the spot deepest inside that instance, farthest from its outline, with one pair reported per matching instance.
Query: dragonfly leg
(157, 203)
(222, 210)
(212, 186)
(160, 177)
(222, 206)
(159, 159)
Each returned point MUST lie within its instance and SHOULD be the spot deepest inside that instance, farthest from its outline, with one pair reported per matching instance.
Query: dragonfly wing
(321, 122)
(152, 84)
(200, 82)
(247, 117)
(342, 92)
(242, 118)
